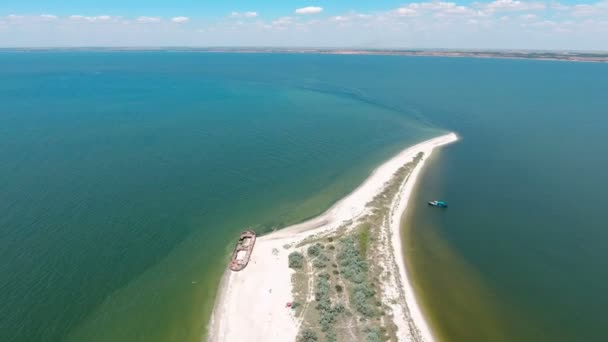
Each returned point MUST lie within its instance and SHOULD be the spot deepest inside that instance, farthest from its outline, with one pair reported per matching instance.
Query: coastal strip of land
(566, 56)
(548, 55)
(257, 303)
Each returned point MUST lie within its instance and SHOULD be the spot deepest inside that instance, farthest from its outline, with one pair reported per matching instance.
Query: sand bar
(251, 304)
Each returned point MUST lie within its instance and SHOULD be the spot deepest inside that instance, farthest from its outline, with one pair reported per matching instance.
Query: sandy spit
(251, 304)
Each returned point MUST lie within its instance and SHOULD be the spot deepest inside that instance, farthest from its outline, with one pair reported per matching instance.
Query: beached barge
(242, 250)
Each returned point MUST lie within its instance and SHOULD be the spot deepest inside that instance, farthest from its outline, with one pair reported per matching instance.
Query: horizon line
(303, 48)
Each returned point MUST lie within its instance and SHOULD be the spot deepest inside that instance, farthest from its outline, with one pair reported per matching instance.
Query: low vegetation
(328, 313)
(352, 266)
(315, 250)
(296, 260)
(364, 239)
(373, 335)
(308, 336)
(341, 273)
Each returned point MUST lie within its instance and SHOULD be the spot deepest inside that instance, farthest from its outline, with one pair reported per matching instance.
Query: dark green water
(124, 178)
(520, 254)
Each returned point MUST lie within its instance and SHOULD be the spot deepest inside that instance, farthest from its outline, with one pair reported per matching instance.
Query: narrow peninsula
(338, 277)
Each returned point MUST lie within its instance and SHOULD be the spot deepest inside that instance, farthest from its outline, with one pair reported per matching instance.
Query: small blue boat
(439, 204)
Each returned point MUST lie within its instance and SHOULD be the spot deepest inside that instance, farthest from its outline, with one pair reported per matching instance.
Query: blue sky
(198, 8)
(538, 24)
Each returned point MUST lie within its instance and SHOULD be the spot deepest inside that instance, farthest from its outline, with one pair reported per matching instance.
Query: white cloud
(282, 21)
(309, 10)
(559, 7)
(438, 9)
(146, 20)
(243, 14)
(90, 19)
(528, 16)
(584, 10)
(339, 18)
(350, 16)
(510, 5)
(180, 20)
(423, 23)
(598, 9)
(48, 17)
(544, 24)
(362, 16)
(406, 11)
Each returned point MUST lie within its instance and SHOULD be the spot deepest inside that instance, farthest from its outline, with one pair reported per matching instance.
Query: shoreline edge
(246, 302)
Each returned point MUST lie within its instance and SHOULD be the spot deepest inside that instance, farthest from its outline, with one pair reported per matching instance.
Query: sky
(497, 24)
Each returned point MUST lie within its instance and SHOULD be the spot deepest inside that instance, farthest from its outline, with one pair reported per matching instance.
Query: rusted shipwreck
(242, 250)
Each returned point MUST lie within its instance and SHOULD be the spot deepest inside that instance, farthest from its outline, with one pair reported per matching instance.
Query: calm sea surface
(124, 178)
(521, 254)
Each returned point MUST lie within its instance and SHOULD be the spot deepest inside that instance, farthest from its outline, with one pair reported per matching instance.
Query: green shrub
(353, 267)
(339, 308)
(373, 335)
(314, 250)
(308, 336)
(330, 336)
(296, 260)
(360, 297)
(322, 289)
(328, 313)
(320, 261)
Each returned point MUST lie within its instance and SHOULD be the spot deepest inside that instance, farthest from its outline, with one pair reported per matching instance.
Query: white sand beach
(251, 304)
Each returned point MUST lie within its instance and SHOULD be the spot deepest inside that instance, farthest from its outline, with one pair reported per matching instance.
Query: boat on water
(439, 204)
(242, 251)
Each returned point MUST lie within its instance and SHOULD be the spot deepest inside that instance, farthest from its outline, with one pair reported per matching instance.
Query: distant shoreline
(567, 56)
(250, 304)
(593, 57)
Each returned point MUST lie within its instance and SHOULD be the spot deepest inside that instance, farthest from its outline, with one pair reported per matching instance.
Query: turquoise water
(124, 178)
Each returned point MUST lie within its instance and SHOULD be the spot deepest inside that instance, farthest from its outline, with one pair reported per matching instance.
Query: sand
(251, 304)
